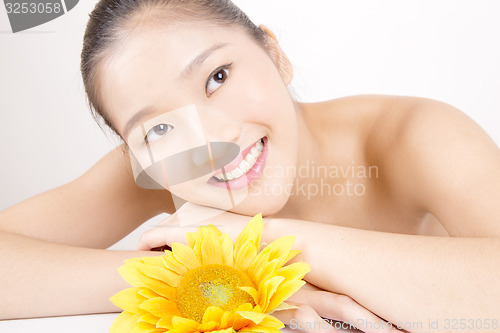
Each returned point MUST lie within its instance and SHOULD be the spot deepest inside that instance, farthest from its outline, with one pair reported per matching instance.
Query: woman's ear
(278, 56)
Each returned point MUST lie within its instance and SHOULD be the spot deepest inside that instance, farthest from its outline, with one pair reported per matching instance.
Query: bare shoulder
(374, 121)
(433, 155)
(404, 126)
(95, 210)
(432, 158)
(364, 111)
(388, 122)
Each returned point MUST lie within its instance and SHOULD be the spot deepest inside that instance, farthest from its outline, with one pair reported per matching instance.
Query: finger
(345, 309)
(150, 240)
(304, 319)
(164, 233)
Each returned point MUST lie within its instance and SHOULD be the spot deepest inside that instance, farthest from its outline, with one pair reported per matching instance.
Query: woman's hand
(187, 219)
(314, 303)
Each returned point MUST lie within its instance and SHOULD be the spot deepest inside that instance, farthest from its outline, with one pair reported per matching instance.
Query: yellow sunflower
(210, 285)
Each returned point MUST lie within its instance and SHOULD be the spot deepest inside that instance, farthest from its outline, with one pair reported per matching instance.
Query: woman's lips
(243, 169)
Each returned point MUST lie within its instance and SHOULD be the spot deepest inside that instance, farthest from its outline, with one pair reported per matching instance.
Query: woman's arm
(406, 279)
(41, 279)
(47, 265)
(435, 159)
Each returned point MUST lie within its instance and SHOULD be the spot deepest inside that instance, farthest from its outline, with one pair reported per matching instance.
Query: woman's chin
(266, 205)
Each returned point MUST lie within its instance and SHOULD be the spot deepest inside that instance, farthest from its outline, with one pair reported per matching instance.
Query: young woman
(394, 200)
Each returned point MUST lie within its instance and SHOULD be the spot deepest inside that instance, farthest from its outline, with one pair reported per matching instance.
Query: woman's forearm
(40, 279)
(403, 278)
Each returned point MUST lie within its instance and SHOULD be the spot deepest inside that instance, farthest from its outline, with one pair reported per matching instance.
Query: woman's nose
(218, 125)
(196, 162)
(214, 156)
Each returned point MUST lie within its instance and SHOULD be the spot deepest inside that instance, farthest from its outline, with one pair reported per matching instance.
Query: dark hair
(112, 20)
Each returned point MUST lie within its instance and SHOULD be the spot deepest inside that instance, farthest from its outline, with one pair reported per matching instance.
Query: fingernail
(162, 248)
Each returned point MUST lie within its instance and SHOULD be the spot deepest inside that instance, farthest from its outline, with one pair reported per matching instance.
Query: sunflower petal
(158, 287)
(162, 274)
(143, 327)
(227, 330)
(128, 322)
(208, 327)
(165, 322)
(271, 321)
(122, 323)
(285, 290)
(197, 249)
(132, 275)
(244, 307)
(255, 317)
(292, 255)
(160, 307)
(185, 255)
(211, 251)
(295, 271)
(184, 324)
(227, 249)
(285, 306)
(212, 313)
(174, 330)
(239, 322)
(154, 261)
(201, 232)
(269, 324)
(213, 229)
(266, 272)
(252, 292)
(128, 299)
(148, 293)
(280, 249)
(252, 232)
(172, 264)
(245, 256)
(267, 291)
(227, 320)
(149, 318)
(191, 238)
(260, 260)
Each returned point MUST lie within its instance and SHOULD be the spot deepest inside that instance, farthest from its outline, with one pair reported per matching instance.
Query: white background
(443, 49)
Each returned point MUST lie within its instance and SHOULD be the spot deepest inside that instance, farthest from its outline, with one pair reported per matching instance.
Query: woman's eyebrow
(135, 118)
(196, 62)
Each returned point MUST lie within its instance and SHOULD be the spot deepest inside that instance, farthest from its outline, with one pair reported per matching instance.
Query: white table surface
(98, 323)
(74, 324)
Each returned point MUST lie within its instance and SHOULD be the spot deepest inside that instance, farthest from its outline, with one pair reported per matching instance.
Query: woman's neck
(309, 152)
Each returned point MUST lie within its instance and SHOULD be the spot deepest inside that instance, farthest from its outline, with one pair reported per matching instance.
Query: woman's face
(170, 89)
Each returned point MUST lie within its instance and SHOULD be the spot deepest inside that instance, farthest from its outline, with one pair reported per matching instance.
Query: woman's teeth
(245, 165)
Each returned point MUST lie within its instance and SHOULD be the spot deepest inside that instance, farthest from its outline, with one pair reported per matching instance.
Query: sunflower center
(212, 285)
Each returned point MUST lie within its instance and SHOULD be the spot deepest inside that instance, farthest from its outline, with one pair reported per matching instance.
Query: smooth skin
(421, 244)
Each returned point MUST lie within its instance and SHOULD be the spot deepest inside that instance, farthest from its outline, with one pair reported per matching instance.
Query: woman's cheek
(256, 101)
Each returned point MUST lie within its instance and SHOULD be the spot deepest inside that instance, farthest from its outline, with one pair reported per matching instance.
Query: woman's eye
(157, 132)
(216, 80)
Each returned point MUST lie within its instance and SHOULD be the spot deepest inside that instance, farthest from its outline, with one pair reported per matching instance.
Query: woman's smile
(243, 169)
